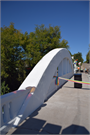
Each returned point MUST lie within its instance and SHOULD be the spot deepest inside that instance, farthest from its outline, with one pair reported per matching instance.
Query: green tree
(11, 55)
(43, 40)
(19, 50)
(79, 57)
(63, 44)
(88, 57)
(4, 88)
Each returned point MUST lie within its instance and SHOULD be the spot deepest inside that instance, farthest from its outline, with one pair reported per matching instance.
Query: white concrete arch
(46, 67)
(41, 77)
(65, 69)
(21, 102)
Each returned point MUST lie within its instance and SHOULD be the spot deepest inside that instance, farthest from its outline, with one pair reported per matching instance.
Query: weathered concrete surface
(66, 112)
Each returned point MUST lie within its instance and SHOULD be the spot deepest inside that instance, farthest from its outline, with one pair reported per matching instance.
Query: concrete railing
(12, 109)
(35, 89)
(10, 106)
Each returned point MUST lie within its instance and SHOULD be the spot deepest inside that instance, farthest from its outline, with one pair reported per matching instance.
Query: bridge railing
(10, 106)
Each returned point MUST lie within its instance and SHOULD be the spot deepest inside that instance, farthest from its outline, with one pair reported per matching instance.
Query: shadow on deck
(37, 126)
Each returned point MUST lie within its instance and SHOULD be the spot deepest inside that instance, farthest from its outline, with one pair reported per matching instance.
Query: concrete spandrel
(65, 112)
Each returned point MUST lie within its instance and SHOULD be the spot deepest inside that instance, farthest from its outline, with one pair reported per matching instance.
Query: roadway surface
(65, 112)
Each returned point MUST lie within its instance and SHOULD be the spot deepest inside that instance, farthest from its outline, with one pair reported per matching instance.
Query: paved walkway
(66, 112)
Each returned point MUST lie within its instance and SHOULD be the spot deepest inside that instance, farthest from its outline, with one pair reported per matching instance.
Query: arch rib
(40, 78)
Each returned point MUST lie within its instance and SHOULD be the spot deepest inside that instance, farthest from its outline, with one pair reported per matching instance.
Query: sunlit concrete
(36, 88)
(65, 112)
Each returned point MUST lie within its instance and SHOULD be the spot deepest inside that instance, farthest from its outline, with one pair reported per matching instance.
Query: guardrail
(17, 105)
(10, 106)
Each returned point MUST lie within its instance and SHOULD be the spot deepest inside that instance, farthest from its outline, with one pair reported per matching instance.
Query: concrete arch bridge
(36, 88)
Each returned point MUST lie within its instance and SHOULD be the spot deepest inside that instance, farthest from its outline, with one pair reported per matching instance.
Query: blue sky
(72, 16)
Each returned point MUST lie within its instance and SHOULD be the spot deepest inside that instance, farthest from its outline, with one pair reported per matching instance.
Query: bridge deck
(66, 112)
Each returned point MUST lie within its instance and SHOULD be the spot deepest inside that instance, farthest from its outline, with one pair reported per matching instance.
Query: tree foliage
(19, 51)
(4, 88)
(42, 41)
(11, 56)
(78, 56)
